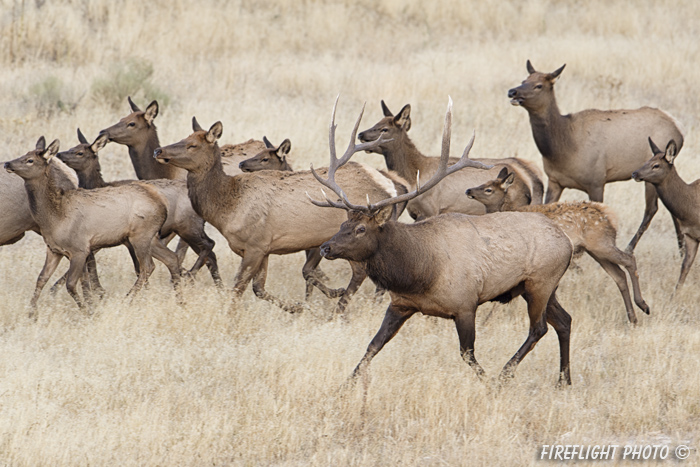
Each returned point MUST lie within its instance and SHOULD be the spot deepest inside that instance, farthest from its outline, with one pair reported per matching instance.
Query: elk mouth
(636, 177)
(163, 160)
(516, 101)
(8, 168)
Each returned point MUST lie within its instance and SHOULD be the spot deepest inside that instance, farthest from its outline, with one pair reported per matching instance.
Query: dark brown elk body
(592, 227)
(680, 198)
(587, 149)
(76, 222)
(266, 212)
(448, 265)
(402, 156)
(181, 219)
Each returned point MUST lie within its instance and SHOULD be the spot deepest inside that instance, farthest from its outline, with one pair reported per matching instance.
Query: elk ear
(386, 111)
(403, 119)
(214, 132)
(654, 148)
(52, 150)
(267, 142)
(555, 74)
(530, 68)
(384, 214)
(151, 112)
(40, 144)
(81, 137)
(195, 125)
(284, 149)
(671, 152)
(99, 143)
(134, 107)
(502, 174)
(505, 184)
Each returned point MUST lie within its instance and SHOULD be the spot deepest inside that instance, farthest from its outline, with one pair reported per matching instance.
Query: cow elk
(587, 149)
(680, 198)
(447, 265)
(266, 212)
(181, 219)
(402, 156)
(270, 158)
(75, 223)
(591, 226)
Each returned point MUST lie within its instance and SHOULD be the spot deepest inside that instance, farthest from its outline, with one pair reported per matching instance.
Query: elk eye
(80, 153)
(360, 229)
(488, 190)
(384, 130)
(131, 124)
(191, 146)
(30, 161)
(266, 159)
(539, 86)
(656, 166)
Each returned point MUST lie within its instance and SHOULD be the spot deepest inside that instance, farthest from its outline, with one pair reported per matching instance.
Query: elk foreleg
(358, 277)
(50, 265)
(561, 322)
(312, 275)
(142, 252)
(75, 272)
(651, 201)
(466, 330)
(691, 249)
(393, 320)
(169, 258)
(201, 244)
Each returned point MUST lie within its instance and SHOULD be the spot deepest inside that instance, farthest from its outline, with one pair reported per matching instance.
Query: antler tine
(443, 170)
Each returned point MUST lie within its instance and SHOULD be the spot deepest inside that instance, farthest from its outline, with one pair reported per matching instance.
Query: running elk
(266, 212)
(402, 156)
(181, 218)
(448, 265)
(680, 198)
(75, 223)
(592, 227)
(587, 149)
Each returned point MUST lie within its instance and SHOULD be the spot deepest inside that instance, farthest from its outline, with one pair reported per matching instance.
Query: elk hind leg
(466, 330)
(358, 277)
(258, 271)
(203, 246)
(561, 322)
(618, 275)
(691, 249)
(313, 279)
(651, 205)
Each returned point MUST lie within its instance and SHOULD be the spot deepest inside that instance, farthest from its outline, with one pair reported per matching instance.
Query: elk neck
(551, 130)
(404, 158)
(141, 154)
(45, 194)
(91, 177)
(677, 196)
(210, 189)
(402, 264)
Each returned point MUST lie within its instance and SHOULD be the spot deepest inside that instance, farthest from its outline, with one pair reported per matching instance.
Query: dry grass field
(148, 382)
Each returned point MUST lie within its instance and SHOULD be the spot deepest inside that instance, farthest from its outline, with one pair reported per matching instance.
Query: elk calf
(448, 265)
(181, 219)
(75, 223)
(402, 157)
(592, 227)
(680, 198)
(587, 149)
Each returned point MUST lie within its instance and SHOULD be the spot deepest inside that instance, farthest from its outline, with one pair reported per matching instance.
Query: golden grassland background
(152, 383)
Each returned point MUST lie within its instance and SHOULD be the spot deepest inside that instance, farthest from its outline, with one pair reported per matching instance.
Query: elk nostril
(157, 152)
(512, 93)
(325, 249)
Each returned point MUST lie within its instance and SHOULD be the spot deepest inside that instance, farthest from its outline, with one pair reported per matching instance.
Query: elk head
(82, 157)
(536, 91)
(358, 237)
(34, 163)
(133, 128)
(271, 158)
(492, 194)
(392, 128)
(198, 152)
(656, 169)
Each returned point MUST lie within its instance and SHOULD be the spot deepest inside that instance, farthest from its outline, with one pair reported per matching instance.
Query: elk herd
(481, 230)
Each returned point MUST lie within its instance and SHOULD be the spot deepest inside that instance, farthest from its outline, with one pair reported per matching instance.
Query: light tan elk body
(181, 218)
(592, 227)
(680, 198)
(448, 265)
(587, 149)
(266, 212)
(75, 223)
(402, 156)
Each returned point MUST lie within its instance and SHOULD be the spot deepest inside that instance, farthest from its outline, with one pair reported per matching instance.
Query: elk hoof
(294, 308)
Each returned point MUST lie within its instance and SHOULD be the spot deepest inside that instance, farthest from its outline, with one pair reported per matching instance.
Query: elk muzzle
(514, 98)
(8, 167)
(637, 177)
(469, 193)
(326, 250)
(158, 155)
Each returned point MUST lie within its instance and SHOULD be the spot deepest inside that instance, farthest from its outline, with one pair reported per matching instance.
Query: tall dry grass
(151, 383)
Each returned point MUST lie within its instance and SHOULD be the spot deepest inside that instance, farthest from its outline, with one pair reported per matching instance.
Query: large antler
(337, 163)
(442, 171)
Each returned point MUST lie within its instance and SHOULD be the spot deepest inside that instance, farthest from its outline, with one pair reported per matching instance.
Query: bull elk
(592, 227)
(587, 149)
(402, 156)
(266, 212)
(447, 265)
(181, 218)
(680, 198)
(75, 223)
